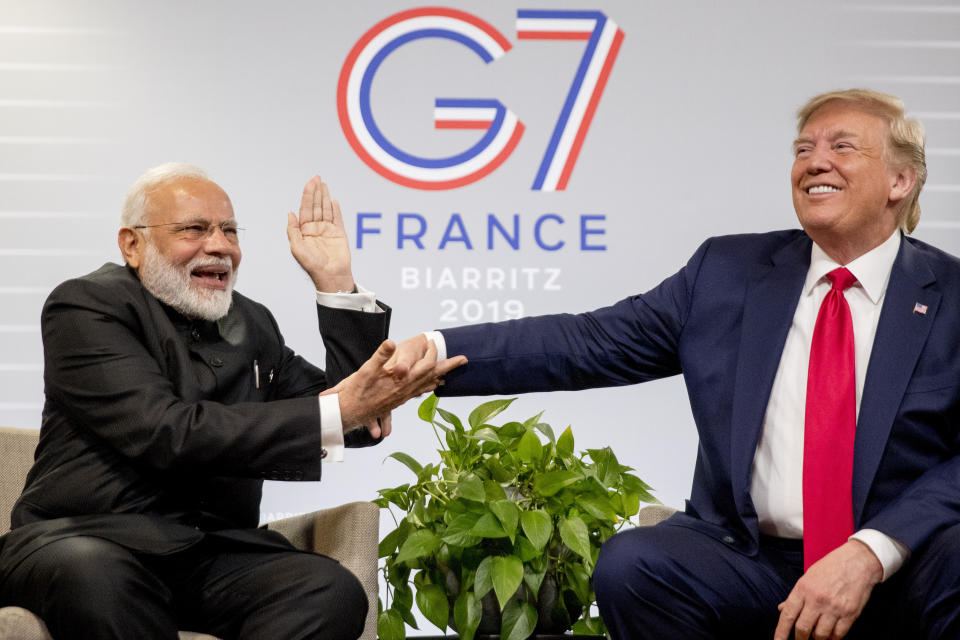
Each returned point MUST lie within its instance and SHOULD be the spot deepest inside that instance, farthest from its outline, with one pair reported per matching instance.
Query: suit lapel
(901, 335)
(769, 305)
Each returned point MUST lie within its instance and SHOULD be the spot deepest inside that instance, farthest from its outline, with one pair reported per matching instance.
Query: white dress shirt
(776, 485)
(331, 426)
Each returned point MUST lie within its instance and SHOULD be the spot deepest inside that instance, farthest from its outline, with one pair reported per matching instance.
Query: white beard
(173, 285)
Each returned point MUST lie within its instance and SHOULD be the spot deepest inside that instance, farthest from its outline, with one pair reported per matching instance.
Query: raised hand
(318, 239)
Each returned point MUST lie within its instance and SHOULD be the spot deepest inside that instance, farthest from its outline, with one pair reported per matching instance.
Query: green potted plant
(501, 535)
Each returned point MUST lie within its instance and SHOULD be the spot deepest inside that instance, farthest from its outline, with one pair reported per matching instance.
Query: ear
(902, 180)
(132, 245)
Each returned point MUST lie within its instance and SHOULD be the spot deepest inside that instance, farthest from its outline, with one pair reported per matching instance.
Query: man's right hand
(374, 391)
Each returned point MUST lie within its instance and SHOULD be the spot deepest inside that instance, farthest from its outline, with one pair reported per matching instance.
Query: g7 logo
(503, 129)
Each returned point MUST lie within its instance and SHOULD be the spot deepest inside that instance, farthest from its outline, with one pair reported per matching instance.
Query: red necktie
(830, 426)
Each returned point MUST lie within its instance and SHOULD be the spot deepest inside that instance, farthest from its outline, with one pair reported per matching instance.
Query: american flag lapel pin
(920, 308)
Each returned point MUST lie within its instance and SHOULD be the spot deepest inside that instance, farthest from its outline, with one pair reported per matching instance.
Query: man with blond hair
(823, 370)
(169, 399)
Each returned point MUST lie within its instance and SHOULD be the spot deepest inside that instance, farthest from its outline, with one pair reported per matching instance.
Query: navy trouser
(88, 587)
(672, 582)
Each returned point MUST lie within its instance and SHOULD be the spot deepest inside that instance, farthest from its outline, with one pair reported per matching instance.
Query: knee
(334, 593)
(627, 564)
(89, 568)
(95, 585)
(350, 596)
(934, 585)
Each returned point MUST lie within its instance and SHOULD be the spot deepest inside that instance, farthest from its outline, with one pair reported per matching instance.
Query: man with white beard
(169, 399)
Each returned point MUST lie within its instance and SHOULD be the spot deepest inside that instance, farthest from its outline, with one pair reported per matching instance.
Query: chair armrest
(347, 533)
(654, 513)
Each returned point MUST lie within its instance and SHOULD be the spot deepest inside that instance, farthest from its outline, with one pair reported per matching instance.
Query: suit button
(216, 362)
(728, 539)
(195, 334)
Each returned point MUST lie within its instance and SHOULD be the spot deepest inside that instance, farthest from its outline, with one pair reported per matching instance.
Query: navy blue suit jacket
(721, 321)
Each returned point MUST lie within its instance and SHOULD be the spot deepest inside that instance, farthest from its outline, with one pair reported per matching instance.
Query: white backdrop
(690, 138)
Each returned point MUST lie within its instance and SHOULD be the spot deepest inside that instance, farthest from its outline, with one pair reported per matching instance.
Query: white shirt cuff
(889, 552)
(362, 300)
(331, 427)
(438, 340)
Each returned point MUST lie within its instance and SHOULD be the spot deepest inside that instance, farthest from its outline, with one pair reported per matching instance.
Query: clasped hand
(375, 389)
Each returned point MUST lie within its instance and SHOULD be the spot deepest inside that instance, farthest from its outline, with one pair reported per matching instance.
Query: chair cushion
(20, 624)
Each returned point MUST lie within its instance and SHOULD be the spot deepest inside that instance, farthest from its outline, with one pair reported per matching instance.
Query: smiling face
(189, 254)
(845, 191)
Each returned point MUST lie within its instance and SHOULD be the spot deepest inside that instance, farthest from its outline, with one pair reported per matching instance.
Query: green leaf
(565, 443)
(417, 545)
(546, 430)
(635, 484)
(398, 495)
(466, 613)
(486, 434)
(524, 549)
(392, 540)
(549, 483)
(488, 527)
(507, 576)
(390, 626)
(599, 507)
(483, 582)
(578, 580)
(508, 513)
(471, 488)
(458, 532)
(500, 472)
(432, 602)
(534, 579)
(428, 408)
(450, 418)
(403, 602)
(511, 430)
(487, 410)
(592, 626)
(519, 621)
(574, 534)
(494, 491)
(607, 467)
(537, 526)
(529, 448)
(630, 504)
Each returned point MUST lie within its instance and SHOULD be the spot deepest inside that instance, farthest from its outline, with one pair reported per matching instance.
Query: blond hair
(905, 138)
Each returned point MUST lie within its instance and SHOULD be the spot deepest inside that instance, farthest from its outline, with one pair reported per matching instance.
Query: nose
(217, 242)
(819, 159)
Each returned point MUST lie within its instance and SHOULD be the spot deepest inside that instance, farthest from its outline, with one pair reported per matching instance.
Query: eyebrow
(832, 137)
(197, 219)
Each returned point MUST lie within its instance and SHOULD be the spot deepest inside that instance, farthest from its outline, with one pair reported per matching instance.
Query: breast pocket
(936, 382)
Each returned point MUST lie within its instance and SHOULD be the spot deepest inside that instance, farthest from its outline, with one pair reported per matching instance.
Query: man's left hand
(830, 596)
(318, 239)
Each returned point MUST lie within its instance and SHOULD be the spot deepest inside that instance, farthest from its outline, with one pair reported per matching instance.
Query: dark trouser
(669, 581)
(88, 587)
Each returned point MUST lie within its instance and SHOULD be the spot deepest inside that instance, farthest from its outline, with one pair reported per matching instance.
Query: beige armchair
(348, 533)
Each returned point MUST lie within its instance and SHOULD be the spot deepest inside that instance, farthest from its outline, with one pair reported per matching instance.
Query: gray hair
(904, 144)
(137, 200)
